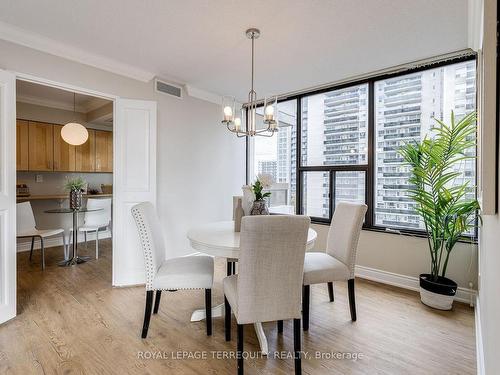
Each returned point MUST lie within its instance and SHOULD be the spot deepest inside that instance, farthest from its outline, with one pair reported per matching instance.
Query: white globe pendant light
(74, 133)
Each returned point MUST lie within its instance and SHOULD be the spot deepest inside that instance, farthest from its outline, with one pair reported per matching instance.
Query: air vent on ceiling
(168, 88)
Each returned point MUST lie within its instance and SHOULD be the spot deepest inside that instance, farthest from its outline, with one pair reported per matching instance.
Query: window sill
(393, 232)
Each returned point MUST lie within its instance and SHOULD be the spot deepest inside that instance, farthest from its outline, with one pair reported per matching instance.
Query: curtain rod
(406, 67)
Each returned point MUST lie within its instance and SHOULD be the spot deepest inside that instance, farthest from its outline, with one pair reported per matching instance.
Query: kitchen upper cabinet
(41, 146)
(22, 148)
(64, 153)
(85, 154)
(103, 151)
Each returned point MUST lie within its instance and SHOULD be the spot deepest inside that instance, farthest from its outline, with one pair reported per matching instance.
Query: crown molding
(203, 94)
(207, 95)
(35, 41)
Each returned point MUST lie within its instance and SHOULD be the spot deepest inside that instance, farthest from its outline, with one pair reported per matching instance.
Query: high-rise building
(334, 131)
(268, 167)
(405, 108)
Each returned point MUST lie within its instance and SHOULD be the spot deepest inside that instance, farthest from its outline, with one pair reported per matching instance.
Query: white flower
(266, 180)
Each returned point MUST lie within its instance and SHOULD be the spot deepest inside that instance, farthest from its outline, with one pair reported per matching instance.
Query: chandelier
(268, 117)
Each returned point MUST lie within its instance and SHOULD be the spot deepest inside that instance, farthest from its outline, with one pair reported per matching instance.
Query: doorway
(47, 164)
(134, 181)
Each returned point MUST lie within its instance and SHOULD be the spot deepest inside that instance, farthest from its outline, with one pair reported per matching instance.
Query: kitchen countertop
(59, 196)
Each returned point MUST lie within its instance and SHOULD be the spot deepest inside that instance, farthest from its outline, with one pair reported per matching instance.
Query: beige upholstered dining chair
(338, 262)
(268, 285)
(189, 272)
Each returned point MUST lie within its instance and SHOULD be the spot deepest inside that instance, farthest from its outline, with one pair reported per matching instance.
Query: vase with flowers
(263, 181)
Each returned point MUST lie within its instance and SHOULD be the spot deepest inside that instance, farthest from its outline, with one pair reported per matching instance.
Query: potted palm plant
(446, 210)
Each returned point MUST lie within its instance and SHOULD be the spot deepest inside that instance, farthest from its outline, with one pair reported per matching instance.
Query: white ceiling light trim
(35, 41)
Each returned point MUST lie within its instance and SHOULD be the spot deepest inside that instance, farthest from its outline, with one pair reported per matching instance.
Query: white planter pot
(436, 300)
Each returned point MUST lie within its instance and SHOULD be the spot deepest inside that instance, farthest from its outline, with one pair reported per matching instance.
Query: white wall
(488, 331)
(408, 256)
(200, 166)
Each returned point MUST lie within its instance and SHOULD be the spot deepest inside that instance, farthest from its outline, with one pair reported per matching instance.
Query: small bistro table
(75, 259)
(220, 240)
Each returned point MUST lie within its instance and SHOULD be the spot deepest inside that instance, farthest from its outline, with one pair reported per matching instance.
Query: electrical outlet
(39, 178)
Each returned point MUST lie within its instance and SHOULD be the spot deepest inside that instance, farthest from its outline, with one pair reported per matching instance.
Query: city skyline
(334, 131)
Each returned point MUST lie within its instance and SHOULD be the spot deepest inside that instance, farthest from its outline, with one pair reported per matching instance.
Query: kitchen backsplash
(53, 182)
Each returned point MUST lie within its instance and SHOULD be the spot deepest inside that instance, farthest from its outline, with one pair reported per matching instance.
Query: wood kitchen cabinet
(41, 146)
(64, 153)
(103, 151)
(22, 149)
(85, 154)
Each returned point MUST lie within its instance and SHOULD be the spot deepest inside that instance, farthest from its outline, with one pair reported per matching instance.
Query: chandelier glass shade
(267, 115)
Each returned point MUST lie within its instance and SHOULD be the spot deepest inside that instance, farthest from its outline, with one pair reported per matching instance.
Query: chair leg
(330, 291)
(32, 246)
(227, 319)
(43, 253)
(280, 326)
(352, 299)
(296, 347)
(208, 310)
(65, 246)
(97, 244)
(85, 238)
(306, 291)
(147, 313)
(157, 302)
(239, 349)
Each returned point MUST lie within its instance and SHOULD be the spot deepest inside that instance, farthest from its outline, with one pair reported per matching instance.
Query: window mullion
(332, 194)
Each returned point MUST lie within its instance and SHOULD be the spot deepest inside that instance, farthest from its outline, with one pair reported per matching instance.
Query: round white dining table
(220, 240)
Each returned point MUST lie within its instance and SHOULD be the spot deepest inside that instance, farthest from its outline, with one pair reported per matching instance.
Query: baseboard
(479, 339)
(57, 241)
(408, 282)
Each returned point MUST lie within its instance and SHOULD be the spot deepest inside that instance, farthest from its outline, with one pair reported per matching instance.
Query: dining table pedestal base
(74, 261)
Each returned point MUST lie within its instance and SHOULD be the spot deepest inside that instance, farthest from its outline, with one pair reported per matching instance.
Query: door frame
(85, 91)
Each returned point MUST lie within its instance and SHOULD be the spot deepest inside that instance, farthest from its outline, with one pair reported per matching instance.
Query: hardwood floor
(71, 321)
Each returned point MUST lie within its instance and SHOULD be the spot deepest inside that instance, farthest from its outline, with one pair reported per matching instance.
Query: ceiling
(202, 42)
(46, 96)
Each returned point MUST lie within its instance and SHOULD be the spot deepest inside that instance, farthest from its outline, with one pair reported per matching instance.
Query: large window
(404, 110)
(276, 156)
(349, 138)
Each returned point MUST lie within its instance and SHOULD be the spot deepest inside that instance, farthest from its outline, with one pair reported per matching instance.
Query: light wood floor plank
(71, 321)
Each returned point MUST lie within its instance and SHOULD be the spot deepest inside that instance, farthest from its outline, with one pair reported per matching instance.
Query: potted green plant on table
(263, 181)
(444, 205)
(75, 187)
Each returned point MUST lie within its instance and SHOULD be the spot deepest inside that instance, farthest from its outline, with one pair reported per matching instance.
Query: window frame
(369, 167)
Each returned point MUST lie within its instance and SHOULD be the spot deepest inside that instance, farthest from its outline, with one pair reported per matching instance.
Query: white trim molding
(408, 282)
(479, 339)
(38, 42)
(203, 95)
